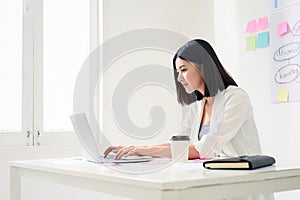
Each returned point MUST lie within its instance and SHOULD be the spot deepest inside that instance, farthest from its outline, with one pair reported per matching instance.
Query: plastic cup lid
(180, 138)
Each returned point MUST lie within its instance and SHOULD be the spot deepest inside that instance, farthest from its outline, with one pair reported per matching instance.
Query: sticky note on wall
(282, 28)
(251, 26)
(251, 43)
(263, 39)
(262, 23)
(282, 94)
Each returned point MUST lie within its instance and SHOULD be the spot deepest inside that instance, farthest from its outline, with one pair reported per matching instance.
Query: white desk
(179, 181)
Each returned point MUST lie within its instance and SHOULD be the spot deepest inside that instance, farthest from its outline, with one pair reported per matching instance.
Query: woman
(220, 121)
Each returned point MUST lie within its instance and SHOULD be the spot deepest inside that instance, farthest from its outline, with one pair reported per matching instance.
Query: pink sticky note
(262, 23)
(282, 28)
(251, 26)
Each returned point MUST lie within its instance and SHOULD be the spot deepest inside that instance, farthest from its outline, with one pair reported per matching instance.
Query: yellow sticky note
(282, 95)
(251, 43)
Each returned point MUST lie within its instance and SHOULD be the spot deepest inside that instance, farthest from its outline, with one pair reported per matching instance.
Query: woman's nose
(179, 78)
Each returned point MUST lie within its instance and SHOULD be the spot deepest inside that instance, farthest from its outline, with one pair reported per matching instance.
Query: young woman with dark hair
(220, 121)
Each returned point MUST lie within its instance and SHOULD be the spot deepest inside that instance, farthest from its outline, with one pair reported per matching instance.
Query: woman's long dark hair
(203, 56)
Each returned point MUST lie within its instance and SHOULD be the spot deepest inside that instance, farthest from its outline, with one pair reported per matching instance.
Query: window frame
(25, 136)
(32, 133)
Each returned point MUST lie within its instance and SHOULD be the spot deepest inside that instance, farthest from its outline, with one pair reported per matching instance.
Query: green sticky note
(251, 43)
(282, 94)
(263, 40)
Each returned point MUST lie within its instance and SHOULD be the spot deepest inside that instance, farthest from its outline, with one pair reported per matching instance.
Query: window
(66, 46)
(10, 70)
(11, 66)
(43, 47)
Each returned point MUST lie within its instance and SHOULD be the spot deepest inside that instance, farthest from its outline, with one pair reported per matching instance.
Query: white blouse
(232, 127)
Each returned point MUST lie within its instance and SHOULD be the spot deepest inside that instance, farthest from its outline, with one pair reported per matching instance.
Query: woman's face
(189, 76)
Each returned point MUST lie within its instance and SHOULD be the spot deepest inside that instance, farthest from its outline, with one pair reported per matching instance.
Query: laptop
(87, 140)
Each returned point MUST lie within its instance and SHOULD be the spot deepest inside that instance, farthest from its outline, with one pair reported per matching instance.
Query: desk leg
(15, 184)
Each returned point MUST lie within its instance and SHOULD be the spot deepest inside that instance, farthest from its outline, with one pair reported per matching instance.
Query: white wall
(193, 19)
(277, 123)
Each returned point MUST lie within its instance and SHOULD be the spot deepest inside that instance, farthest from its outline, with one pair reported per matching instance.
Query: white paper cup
(180, 148)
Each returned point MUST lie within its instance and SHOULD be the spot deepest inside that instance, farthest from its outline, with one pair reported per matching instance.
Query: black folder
(242, 162)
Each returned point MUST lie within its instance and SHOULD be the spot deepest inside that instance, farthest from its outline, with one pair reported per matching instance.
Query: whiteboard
(285, 54)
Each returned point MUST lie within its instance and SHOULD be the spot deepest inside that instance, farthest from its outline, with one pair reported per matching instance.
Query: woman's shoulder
(236, 94)
(233, 90)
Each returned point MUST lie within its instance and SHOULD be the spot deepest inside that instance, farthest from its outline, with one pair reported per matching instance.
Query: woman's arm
(161, 150)
(193, 153)
(158, 151)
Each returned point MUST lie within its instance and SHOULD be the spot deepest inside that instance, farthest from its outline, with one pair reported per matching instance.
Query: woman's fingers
(108, 150)
(112, 149)
(120, 151)
(123, 152)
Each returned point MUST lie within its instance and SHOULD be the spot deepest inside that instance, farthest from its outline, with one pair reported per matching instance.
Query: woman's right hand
(162, 150)
(112, 149)
(120, 151)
